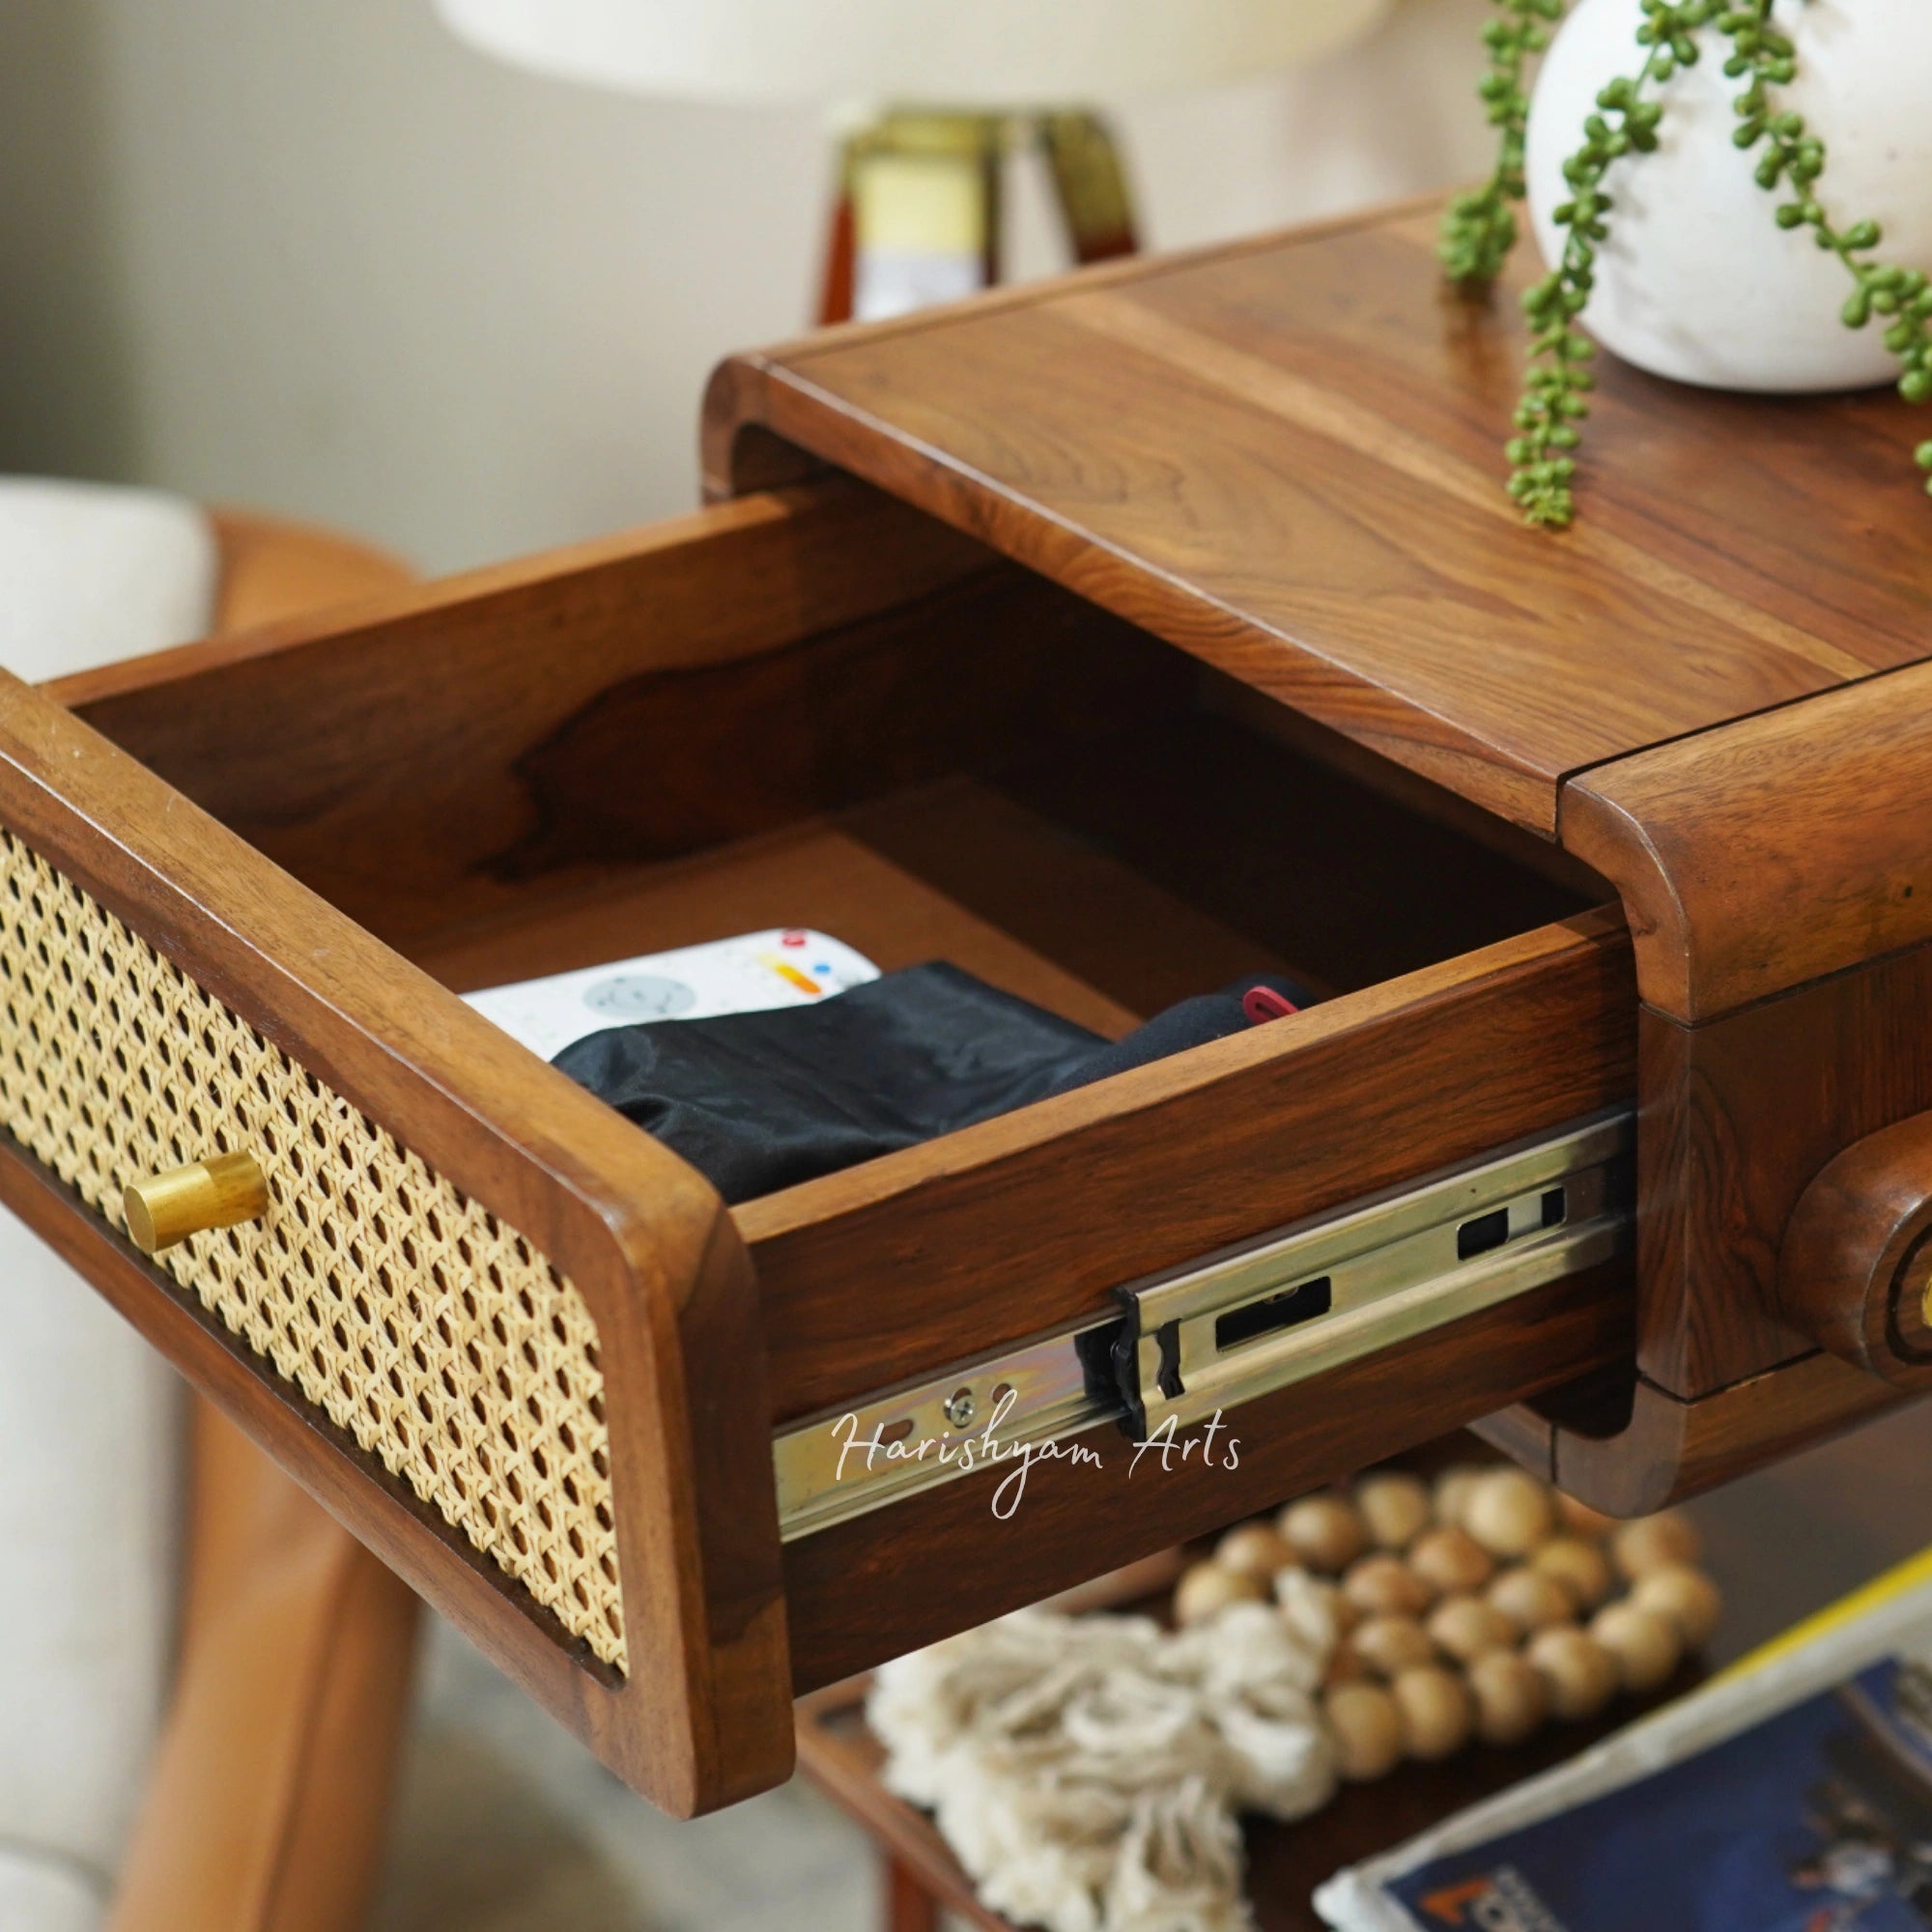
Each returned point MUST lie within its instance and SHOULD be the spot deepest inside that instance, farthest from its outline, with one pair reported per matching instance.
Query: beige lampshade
(936, 53)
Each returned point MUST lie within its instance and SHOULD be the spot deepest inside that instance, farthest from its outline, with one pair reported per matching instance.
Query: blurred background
(330, 261)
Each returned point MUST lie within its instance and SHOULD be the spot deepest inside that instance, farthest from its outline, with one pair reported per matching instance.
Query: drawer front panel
(433, 1334)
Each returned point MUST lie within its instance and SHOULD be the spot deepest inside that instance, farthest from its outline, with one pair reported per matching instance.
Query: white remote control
(785, 967)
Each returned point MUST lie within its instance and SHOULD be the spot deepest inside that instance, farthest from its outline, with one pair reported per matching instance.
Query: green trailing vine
(1480, 227)
(1793, 160)
(1559, 377)
(1480, 230)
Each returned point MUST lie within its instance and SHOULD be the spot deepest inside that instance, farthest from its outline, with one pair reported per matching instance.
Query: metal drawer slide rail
(1220, 1333)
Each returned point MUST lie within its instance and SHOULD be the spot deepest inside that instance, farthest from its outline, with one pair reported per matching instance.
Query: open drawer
(528, 1354)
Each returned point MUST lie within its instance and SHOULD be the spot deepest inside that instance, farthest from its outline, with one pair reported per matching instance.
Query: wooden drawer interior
(821, 708)
(516, 770)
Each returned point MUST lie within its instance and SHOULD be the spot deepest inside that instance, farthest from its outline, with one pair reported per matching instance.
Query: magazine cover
(1792, 1794)
(1815, 1820)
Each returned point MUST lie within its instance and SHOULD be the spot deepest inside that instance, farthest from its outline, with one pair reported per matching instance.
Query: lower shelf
(1286, 1862)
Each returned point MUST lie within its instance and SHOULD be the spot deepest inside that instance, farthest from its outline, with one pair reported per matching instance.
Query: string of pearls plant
(1480, 228)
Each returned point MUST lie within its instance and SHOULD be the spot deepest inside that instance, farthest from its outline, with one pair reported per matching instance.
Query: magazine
(1792, 1794)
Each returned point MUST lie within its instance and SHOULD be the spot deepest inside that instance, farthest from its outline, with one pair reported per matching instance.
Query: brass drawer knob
(217, 1192)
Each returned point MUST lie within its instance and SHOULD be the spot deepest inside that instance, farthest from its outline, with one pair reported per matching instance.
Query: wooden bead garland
(1395, 1509)
(1511, 1701)
(1208, 1587)
(1465, 1627)
(1391, 1644)
(1450, 1561)
(1366, 1723)
(1478, 1608)
(1509, 1512)
(1383, 1584)
(1579, 1674)
(1646, 1647)
(1326, 1532)
(1530, 1600)
(1682, 1596)
(1437, 1711)
(1254, 1548)
(1578, 1565)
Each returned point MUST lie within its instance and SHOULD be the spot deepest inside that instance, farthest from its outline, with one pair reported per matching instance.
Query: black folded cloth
(759, 1101)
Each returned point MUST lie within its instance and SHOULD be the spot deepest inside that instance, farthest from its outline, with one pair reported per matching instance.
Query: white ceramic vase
(1698, 281)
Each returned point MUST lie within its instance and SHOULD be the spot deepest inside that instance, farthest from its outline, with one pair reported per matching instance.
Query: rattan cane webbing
(435, 1335)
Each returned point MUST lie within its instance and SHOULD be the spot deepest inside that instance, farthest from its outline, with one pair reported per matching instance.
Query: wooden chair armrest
(266, 1804)
(271, 569)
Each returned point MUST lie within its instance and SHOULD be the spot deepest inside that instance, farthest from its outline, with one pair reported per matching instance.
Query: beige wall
(321, 259)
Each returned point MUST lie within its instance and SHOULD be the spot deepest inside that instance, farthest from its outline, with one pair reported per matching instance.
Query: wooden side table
(1168, 615)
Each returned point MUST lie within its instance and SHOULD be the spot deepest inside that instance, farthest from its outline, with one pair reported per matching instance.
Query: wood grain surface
(1778, 874)
(1669, 1448)
(429, 722)
(1285, 456)
(813, 873)
(1029, 1222)
(1351, 884)
(1773, 852)
(1852, 1270)
(401, 760)
(1737, 1117)
(1005, 1229)
(1091, 672)
(886, 1583)
(375, 753)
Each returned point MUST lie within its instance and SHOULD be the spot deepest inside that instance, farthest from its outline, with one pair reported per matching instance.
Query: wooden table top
(1285, 456)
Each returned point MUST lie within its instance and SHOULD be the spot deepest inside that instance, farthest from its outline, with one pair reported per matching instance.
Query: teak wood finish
(1283, 456)
(1280, 457)
(1854, 1269)
(1166, 626)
